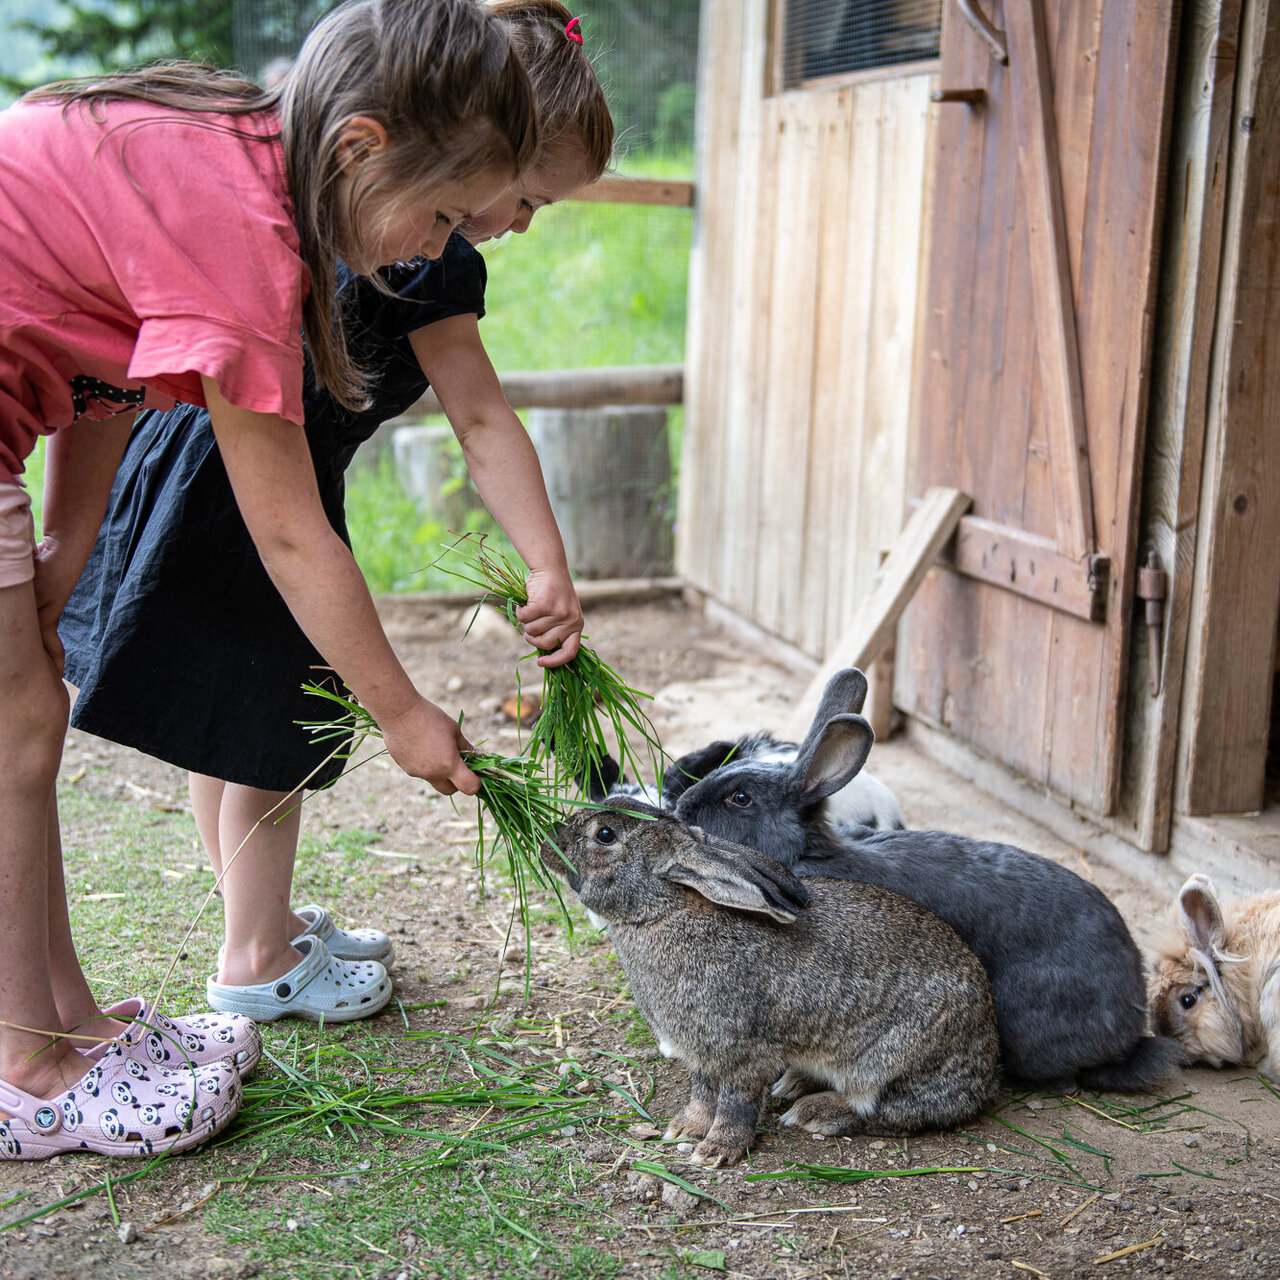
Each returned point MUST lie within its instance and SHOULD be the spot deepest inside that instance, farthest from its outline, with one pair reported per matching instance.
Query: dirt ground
(1188, 1186)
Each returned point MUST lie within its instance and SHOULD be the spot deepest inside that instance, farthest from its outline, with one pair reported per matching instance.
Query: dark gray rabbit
(1065, 973)
(868, 1012)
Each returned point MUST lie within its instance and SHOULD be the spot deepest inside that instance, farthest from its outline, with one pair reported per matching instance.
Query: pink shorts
(17, 536)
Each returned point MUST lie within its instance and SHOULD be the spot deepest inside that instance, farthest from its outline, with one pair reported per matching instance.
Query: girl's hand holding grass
(428, 743)
(552, 618)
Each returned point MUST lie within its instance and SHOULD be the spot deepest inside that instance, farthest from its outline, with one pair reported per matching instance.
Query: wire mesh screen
(831, 37)
(267, 33)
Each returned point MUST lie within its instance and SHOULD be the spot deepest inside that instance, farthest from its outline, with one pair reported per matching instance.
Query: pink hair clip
(569, 29)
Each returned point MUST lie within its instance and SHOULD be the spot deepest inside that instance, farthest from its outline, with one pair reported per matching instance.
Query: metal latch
(1153, 589)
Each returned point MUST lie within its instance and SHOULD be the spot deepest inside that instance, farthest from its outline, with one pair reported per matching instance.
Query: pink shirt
(137, 255)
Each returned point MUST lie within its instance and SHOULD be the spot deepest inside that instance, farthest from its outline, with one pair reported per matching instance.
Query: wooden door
(1032, 385)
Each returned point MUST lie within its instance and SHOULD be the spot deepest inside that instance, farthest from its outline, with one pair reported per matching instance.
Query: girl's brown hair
(570, 102)
(441, 77)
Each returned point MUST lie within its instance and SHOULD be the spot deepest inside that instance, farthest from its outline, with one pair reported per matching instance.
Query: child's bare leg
(77, 1007)
(252, 845)
(32, 729)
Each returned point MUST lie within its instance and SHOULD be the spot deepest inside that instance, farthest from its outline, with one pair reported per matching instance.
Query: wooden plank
(1183, 347)
(710, 388)
(730, 528)
(1030, 566)
(1237, 594)
(910, 558)
(845, 579)
(617, 189)
(1055, 320)
(832, 485)
(788, 331)
(579, 388)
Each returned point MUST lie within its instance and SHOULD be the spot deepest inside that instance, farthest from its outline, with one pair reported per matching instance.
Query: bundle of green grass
(587, 713)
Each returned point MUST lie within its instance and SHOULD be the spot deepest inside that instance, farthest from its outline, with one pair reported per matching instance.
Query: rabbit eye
(1188, 999)
(740, 799)
(605, 835)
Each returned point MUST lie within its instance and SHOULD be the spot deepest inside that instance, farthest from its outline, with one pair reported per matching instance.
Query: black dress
(177, 640)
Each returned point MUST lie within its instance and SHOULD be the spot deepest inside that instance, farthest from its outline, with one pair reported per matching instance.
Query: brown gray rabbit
(879, 1016)
(1215, 984)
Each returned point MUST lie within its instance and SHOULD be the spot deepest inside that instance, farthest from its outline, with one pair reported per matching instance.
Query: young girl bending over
(167, 234)
(181, 646)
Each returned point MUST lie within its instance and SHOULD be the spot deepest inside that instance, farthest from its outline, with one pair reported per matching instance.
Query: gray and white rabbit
(1215, 980)
(868, 1012)
(864, 801)
(1065, 973)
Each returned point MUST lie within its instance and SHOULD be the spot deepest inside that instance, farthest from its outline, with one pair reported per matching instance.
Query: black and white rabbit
(868, 1012)
(1065, 973)
(864, 801)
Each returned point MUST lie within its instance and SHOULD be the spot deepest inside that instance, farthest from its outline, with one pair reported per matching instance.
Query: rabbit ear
(598, 778)
(845, 693)
(695, 766)
(834, 756)
(1200, 914)
(745, 884)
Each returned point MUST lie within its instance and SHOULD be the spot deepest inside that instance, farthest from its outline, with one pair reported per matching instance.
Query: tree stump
(608, 474)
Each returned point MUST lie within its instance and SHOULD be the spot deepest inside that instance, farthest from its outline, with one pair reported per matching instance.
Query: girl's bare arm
(504, 465)
(274, 483)
(80, 463)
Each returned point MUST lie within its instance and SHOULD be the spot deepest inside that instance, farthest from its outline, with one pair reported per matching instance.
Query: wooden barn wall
(801, 339)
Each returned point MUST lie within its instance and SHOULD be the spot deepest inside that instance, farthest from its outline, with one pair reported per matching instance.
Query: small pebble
(127, 1232)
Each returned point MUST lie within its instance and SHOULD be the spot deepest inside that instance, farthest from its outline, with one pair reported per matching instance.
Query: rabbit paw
(827, 1113)
(715, 1153)
(793, 1084)
(687, 1129)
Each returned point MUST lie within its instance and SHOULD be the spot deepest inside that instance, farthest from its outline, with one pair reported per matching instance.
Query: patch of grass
(589, 284)
(425, 1152)
(512, 1218)
(130, 906)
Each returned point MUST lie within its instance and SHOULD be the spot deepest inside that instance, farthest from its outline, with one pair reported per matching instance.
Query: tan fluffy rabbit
(877, 1013)
(1215, 986)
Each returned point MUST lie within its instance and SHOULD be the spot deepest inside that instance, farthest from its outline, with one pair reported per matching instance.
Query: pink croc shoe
(191, 1041)
(121, 1106)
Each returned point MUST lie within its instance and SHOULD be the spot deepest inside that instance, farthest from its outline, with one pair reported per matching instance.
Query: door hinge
(1153, 590)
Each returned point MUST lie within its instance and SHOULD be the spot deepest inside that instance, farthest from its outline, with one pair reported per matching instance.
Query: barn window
(822, 38)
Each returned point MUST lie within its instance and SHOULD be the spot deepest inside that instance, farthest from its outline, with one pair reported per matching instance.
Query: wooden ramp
(924, 535)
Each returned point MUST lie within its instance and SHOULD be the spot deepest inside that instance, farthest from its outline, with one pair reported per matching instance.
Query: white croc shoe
(346, 944)
(318, 986)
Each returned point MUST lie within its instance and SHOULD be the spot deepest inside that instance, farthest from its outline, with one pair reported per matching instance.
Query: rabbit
(864, 801)
(1215, 980)
(867, 1011)
(1065, 973)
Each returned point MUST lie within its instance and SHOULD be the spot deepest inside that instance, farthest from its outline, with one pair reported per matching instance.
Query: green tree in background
(646, 51)
(105, 35)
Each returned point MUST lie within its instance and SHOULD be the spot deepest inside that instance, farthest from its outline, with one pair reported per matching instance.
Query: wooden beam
(1235, 603)
(1030, 566)
(1031, 84)
(618, 190)
(924, 535)
(579, 388)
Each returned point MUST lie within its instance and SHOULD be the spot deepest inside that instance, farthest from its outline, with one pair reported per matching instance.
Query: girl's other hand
(552, 619)
(55, 579)
(427, 743)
